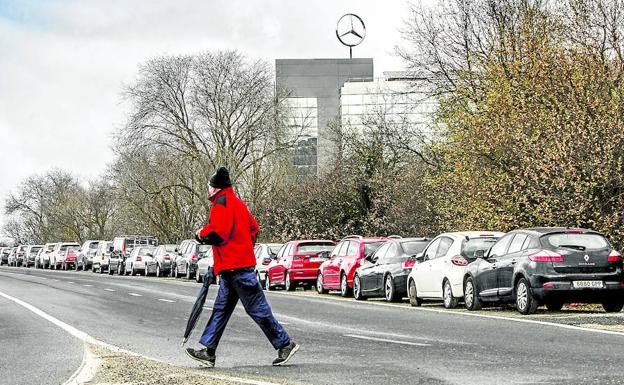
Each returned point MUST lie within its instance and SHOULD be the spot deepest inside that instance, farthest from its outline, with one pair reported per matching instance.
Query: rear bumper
(564, 291)
(400, 284)
(304, 274)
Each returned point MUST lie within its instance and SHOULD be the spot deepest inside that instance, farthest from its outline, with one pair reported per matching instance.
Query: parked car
(186, 263)
(59, 253)
(338, 272)
(85, 254)
(141, 260)
(440, 272)
(549, 266)
(42, 261)
(205, 265)
(4, 255)
(123, 246)
(297, 263)
(101, 258)
(19, 255)
(384, 274)
(30, 255)
(164, 254)
(265, 253)
(178, 254)
(70, 257)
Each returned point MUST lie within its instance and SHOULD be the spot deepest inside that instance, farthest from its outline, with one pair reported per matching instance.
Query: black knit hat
(221, 178)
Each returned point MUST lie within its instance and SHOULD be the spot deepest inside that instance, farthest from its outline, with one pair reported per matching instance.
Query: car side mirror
(479, 254)
(176, 250)
(420, 257)
(324, 254)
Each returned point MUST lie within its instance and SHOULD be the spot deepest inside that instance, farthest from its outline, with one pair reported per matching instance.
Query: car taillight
(266, 261)
(614, 256)
(194, 257)
(138, 258)
(458, 260)
(408, 264)
(548, 286)
(546, 256)
(167, 258)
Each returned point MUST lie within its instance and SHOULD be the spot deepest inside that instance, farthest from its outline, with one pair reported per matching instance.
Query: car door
(439, 264)
(487, 275)
(382, 265)
(271, 269)
(372, 280)
(332, 278)
(421, 271)
(507, 263)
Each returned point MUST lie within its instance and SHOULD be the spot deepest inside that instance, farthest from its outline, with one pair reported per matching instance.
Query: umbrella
(198, 307)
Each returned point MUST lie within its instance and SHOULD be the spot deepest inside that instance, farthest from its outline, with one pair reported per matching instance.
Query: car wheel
(450, 302)
(319, 284)
(413, 294)
(110, 271)
(389, 289)
(357, 288)
(288, 284)
(188, 272)
(613, 306)
(120, 266)
(132, 271)
(525, 303)
(158, 273)
(269, 285)
(471, 299)
(554, 306)
(197, 276)
(344, 286)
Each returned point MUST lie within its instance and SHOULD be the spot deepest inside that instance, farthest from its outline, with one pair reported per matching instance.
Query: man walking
(232, 231)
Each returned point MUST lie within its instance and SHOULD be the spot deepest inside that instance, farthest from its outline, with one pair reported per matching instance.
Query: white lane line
(87, 285)
(89, 366)
(107, 289)
(207, 308)
(87, 338)
(71, 282)
(386, 340)
(135, 295)
(166, 300)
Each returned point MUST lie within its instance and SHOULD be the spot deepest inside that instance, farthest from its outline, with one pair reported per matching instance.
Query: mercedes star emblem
(350, 31)
(586, 257)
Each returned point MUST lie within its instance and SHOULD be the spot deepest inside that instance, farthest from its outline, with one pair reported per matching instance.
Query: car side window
(280, 255)
(528, 243)
(335, 250)
(343, 249)
(381, 252)
(431, 251)
(516, 244)
(445, 245)
(500, 247)
(353, 248)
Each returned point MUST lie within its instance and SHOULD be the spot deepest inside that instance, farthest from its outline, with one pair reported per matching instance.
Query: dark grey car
(549, 266)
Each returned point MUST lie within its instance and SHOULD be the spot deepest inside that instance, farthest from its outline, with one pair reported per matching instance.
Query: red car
(337, 273)
(297, 263)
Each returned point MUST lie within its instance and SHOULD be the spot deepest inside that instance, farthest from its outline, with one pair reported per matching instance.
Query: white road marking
(135, 295)
(71, 282)
(85, 373)
(107, 289)
(87, 285)
(386, 340)
(166, 300)
(207, 308)
(87, 338)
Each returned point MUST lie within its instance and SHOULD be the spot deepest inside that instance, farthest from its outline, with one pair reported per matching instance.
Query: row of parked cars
(525, 267)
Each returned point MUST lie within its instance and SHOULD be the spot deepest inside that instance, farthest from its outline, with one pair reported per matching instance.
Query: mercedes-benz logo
(350, 30)
(586, 258)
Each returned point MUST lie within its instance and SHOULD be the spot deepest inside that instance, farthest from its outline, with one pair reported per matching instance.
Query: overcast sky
(63, 63)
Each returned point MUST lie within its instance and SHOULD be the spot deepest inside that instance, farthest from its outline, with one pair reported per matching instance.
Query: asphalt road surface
(343, 342)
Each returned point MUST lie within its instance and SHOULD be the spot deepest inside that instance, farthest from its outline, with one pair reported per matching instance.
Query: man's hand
(198, 238)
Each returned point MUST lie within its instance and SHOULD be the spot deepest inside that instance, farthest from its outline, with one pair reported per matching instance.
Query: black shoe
(284, 354)
(204, 356)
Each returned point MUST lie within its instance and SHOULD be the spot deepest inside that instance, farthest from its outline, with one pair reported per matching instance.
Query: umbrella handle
(184, 341)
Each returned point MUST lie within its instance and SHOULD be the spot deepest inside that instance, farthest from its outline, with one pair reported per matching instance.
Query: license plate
(588, 284)
(316, 260)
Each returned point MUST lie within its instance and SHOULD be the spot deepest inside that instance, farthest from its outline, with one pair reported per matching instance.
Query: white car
(439, 273)
(141, 259)
(265, 253)
(58, 254)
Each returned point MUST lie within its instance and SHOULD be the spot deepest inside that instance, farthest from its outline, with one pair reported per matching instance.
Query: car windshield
(202, 249)
(170, 248)
(145, 250)
(94, 245)
(65, 247)
(35, 250)
(370, 248)
(314, 247)
(414, 247)
(273, 250)
(71, 249)
(580, 242)
(471, 246)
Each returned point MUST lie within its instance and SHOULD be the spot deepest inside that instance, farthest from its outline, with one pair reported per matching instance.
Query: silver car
(30, 254)
(141, 259)
(101, 258)
(265, 253)
(84, 259)
(204, 265)
(59, 253)
(42, 261)
(164, 256)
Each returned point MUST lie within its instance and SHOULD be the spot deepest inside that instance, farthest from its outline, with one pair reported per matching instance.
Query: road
(343, 342)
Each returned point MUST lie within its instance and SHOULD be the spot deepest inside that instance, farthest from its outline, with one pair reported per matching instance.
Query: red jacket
(232, 231)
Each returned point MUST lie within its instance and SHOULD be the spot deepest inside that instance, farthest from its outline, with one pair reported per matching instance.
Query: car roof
(474, 234)
(413, 239)
(299, 241)
(549, 230)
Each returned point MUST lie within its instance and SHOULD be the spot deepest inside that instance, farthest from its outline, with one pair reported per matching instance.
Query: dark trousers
(242, 284)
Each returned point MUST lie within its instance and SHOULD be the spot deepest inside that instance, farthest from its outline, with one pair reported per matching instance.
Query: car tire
(319, 284)
(612, 306)
(525, 303)
(389, 289)
(120, 266)
(554, 306)
(76, 266)
(158, 272)
(345, 290)
(269, 285)
(288, 284)
(471, 298)
(357, 288)
(413, 294)
(450, 302)
(188, 273)
(132, 271)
